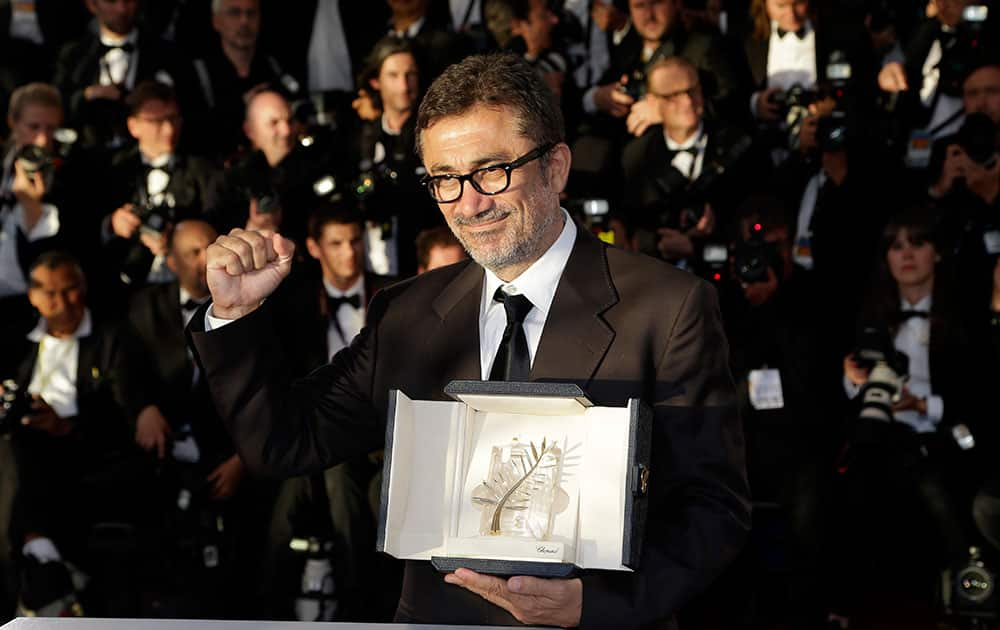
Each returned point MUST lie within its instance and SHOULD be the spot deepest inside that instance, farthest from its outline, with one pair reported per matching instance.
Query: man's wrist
(231, 312)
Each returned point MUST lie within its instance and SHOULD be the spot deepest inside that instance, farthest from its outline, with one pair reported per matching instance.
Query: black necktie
(333, 303)
(512, 362)
(190, 305)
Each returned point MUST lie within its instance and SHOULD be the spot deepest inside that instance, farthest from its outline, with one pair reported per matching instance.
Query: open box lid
(424, 475)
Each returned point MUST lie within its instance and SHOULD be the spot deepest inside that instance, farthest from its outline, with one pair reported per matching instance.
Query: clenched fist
(244, 268)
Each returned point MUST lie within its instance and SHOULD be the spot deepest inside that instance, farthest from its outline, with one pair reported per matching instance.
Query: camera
(977, 137)
(831, 132)
(752, 257)
(34, 160)
(635, 87)
(155, 217)
(970, 590)
(15, 403)
(889, 373)
(595, 214)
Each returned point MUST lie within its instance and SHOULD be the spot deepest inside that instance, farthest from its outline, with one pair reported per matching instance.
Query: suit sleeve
(283, 427)
(699, 503)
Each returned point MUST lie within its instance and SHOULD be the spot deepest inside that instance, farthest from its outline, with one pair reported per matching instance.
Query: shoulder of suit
(644, 276)
(429, 283)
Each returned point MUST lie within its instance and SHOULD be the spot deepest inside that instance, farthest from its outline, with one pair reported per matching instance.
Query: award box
(515, 479)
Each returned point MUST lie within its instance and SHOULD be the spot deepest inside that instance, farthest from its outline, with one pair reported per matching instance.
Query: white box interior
(441, 450)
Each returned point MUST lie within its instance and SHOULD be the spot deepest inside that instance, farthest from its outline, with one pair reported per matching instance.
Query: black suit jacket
(621, 325)
(155, 316)
(109, 396)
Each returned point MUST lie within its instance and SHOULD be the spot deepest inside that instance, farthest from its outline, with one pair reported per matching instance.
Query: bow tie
(801, 33)
(692, 151)
(907, 314)
(190, 305)
(333, 303)
(127, 48)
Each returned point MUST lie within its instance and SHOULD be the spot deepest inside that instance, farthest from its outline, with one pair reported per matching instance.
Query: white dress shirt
(54, 376)
(329, 57)
(689, 165)
(946, 117)
(791, 60)
(913, 340)
(459, 9)
(593, 58)
(350, 320)
(538, 283)
(11, 275)
(24, 22)
(117, 66)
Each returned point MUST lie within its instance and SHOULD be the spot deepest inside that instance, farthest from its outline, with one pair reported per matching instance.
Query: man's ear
(373, 82)
(313, 247)
(171, 262)
(560, 160)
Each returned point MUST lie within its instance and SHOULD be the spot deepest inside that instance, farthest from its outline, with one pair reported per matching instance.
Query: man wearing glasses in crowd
(568, 308)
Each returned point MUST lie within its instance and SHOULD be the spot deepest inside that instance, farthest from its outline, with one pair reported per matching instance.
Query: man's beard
(505, 254)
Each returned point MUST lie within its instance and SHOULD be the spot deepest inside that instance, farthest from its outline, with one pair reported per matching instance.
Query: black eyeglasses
(489, 180)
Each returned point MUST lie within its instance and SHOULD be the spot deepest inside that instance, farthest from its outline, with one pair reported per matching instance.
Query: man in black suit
(228, 70)
(684, 176)
(617, 324)
(74, 456)
(153, 185)
(96, 72)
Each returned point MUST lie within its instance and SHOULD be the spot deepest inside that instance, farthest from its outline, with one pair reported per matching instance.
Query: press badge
(918, 150)
(765, 389)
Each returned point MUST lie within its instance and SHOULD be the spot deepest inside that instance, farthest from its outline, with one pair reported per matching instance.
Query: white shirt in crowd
(11, 222)
(913, 340)
(329, 58)
(54, 376)
(946, 117)
(350, 320)
(688, 164)
(117, 66)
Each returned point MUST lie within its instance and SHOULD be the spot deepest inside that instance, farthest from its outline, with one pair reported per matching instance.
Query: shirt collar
(160, 161)
(923, 305)
(539, 281)
(411, 31)
(698, 139)
(806, 29)
(358, 288)
(185, 296)
(131, 38)
(42, 327)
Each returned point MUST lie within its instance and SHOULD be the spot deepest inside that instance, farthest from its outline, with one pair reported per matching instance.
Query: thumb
(285, 249)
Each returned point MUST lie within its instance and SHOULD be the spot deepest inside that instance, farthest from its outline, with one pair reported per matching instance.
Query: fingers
(240, 252)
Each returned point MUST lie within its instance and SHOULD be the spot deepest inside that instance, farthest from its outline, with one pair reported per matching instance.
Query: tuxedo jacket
(651, 179)
(156, 318)
(620, 325)
(109, 396)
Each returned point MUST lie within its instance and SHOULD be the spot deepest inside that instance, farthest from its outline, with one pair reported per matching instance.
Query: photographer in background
(914, 381)
(153, 186)
(681, 178)
(275, 185)
(388, 172)
(30, 217)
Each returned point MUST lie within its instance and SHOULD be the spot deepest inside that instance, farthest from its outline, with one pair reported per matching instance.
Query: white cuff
(214, 323)
(47, 225)
(935, 408)
(41, 549)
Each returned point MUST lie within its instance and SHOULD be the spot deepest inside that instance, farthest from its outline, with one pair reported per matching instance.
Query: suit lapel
(576, 337)
(169, 306)
(87, 368)
(458, 308)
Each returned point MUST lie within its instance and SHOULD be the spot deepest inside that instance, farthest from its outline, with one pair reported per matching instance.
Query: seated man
(72, 446)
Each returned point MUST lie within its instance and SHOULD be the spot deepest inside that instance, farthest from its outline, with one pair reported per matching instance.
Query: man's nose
(472, 202)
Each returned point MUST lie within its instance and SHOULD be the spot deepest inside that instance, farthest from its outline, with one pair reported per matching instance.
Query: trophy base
(493, 566)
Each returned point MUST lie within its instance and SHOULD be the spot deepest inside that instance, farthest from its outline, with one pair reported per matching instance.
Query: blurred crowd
(831, 167)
